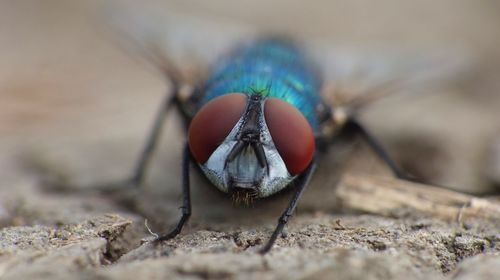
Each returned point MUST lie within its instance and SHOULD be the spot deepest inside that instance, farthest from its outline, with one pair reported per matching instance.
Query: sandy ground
(75, 108)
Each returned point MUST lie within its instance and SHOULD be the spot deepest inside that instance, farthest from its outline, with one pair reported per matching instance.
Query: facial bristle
(244, 197)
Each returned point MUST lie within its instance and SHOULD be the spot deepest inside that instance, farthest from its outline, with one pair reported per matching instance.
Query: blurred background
(74, 102)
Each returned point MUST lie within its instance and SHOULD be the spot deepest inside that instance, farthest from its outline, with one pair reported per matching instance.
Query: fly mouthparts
(245, 195)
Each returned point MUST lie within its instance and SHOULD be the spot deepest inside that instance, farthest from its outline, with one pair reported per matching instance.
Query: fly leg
(283, 220)
(137, 177)
(139, 170)
(186, 198)
(354, 126)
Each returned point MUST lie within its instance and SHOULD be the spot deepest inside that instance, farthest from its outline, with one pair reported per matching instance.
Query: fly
(255, 127)
(256, 124)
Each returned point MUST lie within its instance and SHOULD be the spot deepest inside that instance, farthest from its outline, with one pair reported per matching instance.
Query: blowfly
(256, 123)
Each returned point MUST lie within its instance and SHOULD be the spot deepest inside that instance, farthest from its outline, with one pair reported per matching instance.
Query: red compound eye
(211, 125)
(292, 135)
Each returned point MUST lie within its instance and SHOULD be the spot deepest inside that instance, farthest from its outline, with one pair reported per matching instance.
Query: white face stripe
(278, 176)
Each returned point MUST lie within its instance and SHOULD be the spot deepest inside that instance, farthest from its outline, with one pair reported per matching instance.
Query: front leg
(303, 181)
(186, 198)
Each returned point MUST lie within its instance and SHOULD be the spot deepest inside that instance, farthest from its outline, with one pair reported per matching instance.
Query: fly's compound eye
(292, 135)
(213, 123)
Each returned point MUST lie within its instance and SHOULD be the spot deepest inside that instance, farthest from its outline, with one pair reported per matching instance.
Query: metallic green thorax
(271, 67)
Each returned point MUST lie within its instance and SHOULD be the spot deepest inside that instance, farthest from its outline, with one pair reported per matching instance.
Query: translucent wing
(185, 45)
(174, 42)
(356, 77)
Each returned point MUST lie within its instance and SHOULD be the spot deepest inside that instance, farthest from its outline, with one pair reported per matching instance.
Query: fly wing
(185, 45)
(176, 43)
(357, 77)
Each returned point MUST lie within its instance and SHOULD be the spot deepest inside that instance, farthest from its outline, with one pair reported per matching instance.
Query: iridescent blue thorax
(271, 67)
